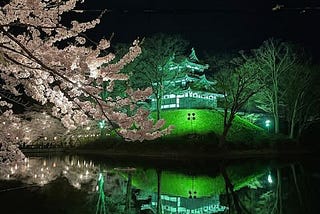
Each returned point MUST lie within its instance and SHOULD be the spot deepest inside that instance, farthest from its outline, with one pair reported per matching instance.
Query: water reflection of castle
(182, 205)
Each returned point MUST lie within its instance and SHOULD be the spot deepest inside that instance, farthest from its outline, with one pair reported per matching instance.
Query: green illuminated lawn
(180, 184)
(205, 128)
(206, 122)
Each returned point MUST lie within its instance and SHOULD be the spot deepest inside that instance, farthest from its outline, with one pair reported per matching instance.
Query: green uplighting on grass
(196, 186)
(179, 184)
(205, 121)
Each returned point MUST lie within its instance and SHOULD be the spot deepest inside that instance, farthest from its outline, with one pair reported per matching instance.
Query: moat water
(92, 184)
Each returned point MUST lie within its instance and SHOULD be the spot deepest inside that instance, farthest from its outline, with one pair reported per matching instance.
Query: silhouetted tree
(274, 59)
(238, 84)
(302, 99)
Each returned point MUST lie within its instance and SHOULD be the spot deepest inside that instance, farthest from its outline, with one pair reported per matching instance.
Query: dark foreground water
(76, 185)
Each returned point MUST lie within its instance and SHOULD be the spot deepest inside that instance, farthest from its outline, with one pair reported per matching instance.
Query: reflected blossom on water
(40, 171)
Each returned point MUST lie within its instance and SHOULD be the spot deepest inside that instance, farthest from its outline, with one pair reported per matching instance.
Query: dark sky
(218, 25)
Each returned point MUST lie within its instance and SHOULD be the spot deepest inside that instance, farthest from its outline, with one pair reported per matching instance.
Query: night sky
(216, 25)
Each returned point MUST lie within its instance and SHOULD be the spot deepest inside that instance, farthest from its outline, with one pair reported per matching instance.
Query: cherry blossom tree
(40, 126)
(10, 135)
(52, 61)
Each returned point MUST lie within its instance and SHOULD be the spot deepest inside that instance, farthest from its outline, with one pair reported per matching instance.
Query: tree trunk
(226, 128)
(159, 208)
(291, 129)
(277, 209)
(292, 121)
(158, 107)
(223, 137)
(299, 133)
(276, 123)
(293, 169)
(229, 186)
(128, 193)
(280, 192)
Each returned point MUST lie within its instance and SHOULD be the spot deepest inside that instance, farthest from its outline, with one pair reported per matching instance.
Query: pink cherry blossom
(56, 66)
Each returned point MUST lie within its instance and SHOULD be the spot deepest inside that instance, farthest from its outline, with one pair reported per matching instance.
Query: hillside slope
(207, 122)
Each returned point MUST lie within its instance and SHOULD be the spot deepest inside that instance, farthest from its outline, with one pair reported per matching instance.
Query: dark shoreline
(180, 155)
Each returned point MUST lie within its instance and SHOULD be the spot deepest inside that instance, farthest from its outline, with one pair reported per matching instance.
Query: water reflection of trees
(247, 188)
(41, 171)
(285, 188)
(57, 174)
(180, 192)
(254, 187)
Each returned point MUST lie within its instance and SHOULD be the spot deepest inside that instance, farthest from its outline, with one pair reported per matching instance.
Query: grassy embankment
(207, 126)
(200, 134)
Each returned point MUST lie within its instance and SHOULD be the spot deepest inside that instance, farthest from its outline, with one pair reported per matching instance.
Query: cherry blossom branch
(29, 54)
(97, 99)
(12, 50)
(18, 63)
(13, 99)
(64, 76)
